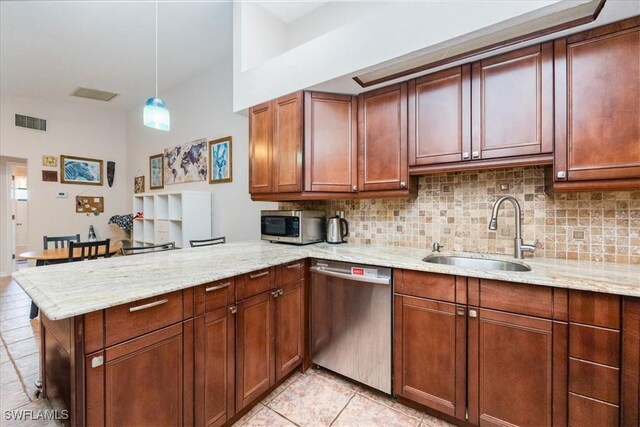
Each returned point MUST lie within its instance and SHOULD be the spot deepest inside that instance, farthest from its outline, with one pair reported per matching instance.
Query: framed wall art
(49, 161)
(186, 162)
(220, 167)
(138, 184)
(156, 172)
(50, 176)
(80, 170)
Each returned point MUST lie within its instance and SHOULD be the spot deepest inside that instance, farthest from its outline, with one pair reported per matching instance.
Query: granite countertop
(66, 290)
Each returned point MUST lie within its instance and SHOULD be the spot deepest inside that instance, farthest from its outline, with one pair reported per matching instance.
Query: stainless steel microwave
(297, 227)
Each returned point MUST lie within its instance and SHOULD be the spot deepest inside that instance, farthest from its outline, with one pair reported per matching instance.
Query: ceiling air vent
(98, 95)
(31, 123)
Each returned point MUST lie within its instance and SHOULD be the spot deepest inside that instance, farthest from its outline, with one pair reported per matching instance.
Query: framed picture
(220, 160)
(186, 162)
(50, 176)
(138, 184)
(80, 170)
(49, 161)
(156, 172)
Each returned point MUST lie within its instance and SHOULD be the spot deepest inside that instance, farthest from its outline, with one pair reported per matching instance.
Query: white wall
(201, 107)
(73, 129)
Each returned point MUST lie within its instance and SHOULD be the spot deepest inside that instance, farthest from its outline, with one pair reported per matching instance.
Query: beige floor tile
(18, 322)
(282, 387)
(429, 421)
(31, 412)
(4, 356)
(268, 418)
(14, 313)
(366, 413)
(312, 401)
(328, 375)
(8, 374)
(390, 402)
(24, 303)
(18, 334)
(23, 348)
(12, 396)
(246, 417)
(28, 364)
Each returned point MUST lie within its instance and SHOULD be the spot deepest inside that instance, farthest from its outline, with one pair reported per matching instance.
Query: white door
(19, 208)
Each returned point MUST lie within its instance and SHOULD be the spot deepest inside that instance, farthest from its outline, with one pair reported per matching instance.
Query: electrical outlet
(504, 186)
(62, 194)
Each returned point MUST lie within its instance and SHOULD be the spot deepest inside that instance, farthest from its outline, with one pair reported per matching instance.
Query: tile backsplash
(454, 210)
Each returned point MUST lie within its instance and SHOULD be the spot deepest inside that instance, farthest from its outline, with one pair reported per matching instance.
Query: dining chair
(59, 241)
(208, 242)
(148, 249)
(89, 250)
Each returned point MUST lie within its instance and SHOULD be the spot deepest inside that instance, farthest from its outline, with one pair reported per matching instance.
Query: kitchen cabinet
(596, 108)
(270, 330)
(382, 139)
(330, 143)
(275, 145)
(440, 117)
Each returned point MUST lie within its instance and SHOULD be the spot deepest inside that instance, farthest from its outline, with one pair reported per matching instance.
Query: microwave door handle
(376, 280)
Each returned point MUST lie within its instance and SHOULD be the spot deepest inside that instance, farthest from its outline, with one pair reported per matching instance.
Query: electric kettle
(337, 229)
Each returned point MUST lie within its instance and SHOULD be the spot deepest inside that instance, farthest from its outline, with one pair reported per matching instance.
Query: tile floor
(316, 398)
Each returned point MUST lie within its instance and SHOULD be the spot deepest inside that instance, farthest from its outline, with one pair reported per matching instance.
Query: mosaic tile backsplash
(454, 210)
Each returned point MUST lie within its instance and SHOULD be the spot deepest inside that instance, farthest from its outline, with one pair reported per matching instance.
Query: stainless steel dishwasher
(351, 321)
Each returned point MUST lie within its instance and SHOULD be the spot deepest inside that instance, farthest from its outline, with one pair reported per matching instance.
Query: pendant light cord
(156, 48)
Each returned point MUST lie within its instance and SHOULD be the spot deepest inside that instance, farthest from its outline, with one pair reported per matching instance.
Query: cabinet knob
(561, 175)
(97, 361)
(473, 313)
(465, 155)
(476, 154)
(233, 309)
(275, 293)
(403, 184)
(354, 188)
(460, 311)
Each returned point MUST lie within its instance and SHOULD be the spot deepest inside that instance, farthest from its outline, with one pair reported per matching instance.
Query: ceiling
(289, 11)
(48, 49)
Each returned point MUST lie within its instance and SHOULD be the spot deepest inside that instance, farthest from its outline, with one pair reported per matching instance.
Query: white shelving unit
(171, 217)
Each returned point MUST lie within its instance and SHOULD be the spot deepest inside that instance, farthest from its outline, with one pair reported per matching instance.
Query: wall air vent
(98, 95)
(31, 123)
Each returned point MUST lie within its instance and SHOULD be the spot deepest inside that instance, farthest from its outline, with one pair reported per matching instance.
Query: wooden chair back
(89, 250)
(208, 242)
(59, 241)
(148, 249)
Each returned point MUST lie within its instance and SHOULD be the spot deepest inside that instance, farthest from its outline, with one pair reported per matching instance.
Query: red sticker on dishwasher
(358, 271)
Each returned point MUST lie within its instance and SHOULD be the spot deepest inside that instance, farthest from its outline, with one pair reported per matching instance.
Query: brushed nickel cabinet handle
(465, 155)
(280, 291)
(475, 154)
(354, 188)
(460, 311)
(561, 175)
(215, 288)
(255, 276)
(151, 304)
(473, 313)
(275, 293)
(403, 184)
(233, 309)
(97, 361)
(298, 265)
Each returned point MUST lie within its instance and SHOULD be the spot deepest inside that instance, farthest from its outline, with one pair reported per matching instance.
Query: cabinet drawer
(292, 271)
(215, 295)
(586, 412)
(516, 298)
(594, 344)
(594, 380)
(425, 285)
(254, 283)
(140, 317)
(594, 309)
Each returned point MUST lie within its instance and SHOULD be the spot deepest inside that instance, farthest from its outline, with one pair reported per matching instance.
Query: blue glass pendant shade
(156, 114)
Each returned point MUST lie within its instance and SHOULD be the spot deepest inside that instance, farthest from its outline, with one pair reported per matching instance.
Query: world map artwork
(186, 163)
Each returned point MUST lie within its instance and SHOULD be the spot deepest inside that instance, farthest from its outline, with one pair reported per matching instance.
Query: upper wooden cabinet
(440, 117)
(275, 145)
(597, 108)
(382, 139)
(330, 142)
(513, 103)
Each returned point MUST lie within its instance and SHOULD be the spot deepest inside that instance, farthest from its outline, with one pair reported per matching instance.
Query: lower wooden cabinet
(255, 351)
(429, 327)
(289, 328)
(214, 380)
(122, 382)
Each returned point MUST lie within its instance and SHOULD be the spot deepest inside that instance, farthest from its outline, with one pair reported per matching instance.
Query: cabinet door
(510, 369)
(382, 139)
(331, 157)
(255, 361)
(440, 117)
(215, 367)
(289, 328)
(512, 105)
(260, 142)
(287, 143)
(430, 354)
(597, 108)
(133, 372)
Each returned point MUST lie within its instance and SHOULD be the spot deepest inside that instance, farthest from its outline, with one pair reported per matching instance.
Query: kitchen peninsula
(199, 335)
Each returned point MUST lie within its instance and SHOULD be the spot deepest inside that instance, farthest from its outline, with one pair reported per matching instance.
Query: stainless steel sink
(476, 263)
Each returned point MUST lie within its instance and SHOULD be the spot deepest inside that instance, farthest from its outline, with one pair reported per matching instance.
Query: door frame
(7, 222)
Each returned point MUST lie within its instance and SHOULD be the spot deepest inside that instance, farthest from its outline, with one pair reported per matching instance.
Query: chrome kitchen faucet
(518, 247)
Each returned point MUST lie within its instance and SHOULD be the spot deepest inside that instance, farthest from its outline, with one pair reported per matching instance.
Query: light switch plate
(62, 194)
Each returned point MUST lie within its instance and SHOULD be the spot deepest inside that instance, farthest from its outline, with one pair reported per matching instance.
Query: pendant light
(156, 114)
